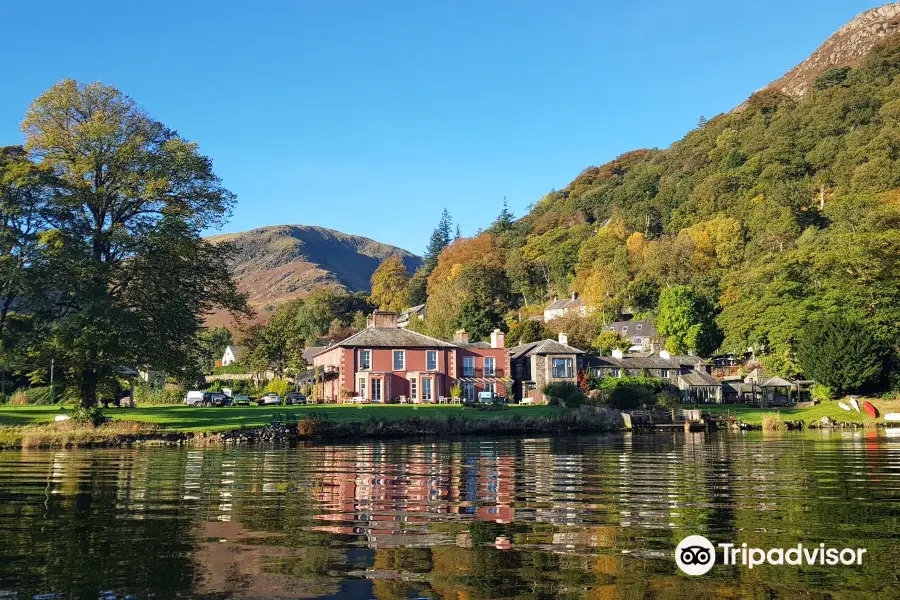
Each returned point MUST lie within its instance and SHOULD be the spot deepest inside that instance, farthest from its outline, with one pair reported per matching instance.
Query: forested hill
(274, 264)
(755, 221)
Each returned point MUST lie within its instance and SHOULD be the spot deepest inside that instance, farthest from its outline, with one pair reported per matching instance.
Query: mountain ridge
(846, 47)
(276, 263)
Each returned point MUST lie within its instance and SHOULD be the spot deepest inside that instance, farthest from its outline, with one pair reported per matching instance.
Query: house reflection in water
(369, 496)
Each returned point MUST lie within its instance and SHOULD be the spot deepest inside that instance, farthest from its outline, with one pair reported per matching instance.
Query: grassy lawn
(185, 418)
(808, 415)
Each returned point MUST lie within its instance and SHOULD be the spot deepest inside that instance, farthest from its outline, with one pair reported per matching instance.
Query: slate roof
(777, 382)
(629, 329)
(313, 351)
(409, 312)
(542, 347)
(472, 345)
(652, 361)
(391, 337)
(565, 303)
(699, 378)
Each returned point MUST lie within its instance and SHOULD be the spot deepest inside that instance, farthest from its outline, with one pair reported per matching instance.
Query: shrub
(93, 415)
(144, 394)
(668, 400)
(34, 396)
(630, 395)
(456, 391)
(773, 421)
(279, 386)
(567, 395)
(232, 369)
(821, 392)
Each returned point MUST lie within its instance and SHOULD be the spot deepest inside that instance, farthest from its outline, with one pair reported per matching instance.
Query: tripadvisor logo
(695, 555)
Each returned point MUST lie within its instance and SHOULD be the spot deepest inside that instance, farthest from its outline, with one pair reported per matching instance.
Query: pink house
(384, 363)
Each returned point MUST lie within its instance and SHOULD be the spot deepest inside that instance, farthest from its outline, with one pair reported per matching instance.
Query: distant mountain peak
(282, 262)
(846, 47)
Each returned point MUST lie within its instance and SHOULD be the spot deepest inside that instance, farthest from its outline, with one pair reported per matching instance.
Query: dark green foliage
(479, 320)
(841, 353)
(525, 332)
(628, 392)
(832, 77)
(440, 239)
(688, 320)
(504, 221)
(567, 395)
(416, 292)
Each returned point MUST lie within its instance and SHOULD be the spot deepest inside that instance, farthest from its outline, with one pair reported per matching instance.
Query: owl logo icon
(695, 555)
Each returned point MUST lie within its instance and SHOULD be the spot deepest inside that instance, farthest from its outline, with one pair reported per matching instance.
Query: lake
(592, 517)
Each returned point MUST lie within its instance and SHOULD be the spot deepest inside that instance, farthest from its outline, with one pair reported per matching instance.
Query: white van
(194, 398)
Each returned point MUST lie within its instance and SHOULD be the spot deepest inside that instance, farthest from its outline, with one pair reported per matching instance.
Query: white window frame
(402, 355)
(361, 387)
(666, 373)
(468, 366)
(377, 384)
(569, 368)
(367, 353)
(491, 387)
(489, 372)
(413, 388)
(427, 389)
(431, 359)
(617, 372)
(469, 391)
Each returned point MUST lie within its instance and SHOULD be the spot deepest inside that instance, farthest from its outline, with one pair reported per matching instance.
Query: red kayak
(870, 409)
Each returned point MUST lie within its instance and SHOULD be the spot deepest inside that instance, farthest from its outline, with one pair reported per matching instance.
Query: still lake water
(593, 517)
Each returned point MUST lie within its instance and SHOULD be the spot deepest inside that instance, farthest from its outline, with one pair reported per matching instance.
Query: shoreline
(129, 433)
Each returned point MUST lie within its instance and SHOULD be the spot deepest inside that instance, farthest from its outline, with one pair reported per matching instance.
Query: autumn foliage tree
(390, 283)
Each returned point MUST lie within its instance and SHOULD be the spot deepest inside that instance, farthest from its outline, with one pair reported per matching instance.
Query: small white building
(559, 308)
(230, 356)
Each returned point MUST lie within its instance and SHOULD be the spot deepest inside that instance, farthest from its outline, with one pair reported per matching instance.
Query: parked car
(220, 399)
(194, 398)
(271, 398)
(295, 398)
(241, 400)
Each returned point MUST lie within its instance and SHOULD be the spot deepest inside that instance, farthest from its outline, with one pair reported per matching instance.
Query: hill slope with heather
(274, 264)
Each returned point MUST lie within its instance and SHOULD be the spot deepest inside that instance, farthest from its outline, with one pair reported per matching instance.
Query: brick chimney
(461, 336)
(383, 319)
(498, 339)
(563, 338)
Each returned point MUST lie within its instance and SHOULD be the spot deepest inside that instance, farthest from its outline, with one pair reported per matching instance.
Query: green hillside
(764, 218)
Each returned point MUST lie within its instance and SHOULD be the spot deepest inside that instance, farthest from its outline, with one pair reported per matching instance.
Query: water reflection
(588, 517)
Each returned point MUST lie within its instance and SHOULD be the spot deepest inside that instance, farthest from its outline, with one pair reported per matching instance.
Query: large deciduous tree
(132, 276)
(389, 284)
(687, 320)
(23, 213)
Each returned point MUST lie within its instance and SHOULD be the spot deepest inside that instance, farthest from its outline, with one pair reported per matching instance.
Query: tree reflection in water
(586, 517)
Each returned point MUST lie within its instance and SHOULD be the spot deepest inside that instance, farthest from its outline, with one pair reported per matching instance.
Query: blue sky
(371, 117)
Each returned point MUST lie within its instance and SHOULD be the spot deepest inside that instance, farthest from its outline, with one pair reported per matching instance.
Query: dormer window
(624, 329)
(639, 326)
